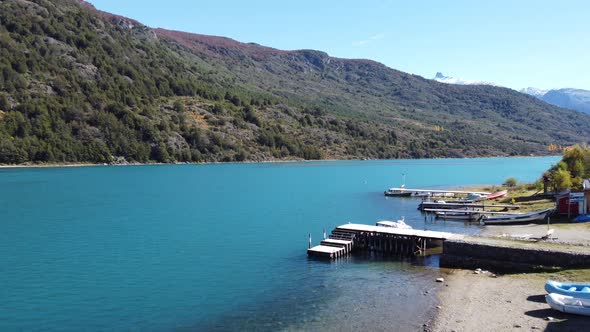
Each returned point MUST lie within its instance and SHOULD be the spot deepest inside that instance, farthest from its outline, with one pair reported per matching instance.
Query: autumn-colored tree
(562, 180)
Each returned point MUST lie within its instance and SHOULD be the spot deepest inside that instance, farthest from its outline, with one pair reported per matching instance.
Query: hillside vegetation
(80, 85)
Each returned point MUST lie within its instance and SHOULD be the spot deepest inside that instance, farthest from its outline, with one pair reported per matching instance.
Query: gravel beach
(481, 301)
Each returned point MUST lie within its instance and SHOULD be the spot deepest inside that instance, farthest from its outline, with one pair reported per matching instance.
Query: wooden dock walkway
(439, 191)
(387, 240)
(455, 205)
(470, 211)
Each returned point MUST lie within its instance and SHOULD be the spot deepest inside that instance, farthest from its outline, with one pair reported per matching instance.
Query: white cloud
(369, 40)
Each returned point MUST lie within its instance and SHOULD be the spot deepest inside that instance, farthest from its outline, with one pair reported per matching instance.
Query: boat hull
(568, 304)
(397, 194)
(515, 219)
(498, 194)
(582, 218)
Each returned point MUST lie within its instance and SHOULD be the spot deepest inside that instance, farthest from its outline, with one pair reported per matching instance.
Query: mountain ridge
(85, 85)
(571, 98)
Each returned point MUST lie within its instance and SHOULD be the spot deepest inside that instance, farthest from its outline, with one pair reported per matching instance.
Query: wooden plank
(335, 241)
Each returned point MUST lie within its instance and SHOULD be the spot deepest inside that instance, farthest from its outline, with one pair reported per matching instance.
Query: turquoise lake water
(218, 247)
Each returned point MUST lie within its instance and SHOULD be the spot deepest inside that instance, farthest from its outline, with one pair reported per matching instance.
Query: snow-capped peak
(534, 92)
(452, 80)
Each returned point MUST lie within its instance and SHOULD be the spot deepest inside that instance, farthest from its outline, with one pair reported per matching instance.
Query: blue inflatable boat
(581, 291)
(582, 218)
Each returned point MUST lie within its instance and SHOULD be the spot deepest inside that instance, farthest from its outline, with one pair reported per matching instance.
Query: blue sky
(517, 44)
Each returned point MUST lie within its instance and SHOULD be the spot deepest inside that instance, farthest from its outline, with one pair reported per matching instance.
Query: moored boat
(569, 289)
(497, 194)
(394, 224)
(517, 218)
(568, 304)
(473, 197)
(582, 218)
(397, 192)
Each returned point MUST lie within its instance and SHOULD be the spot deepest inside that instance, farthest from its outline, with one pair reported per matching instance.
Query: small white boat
(473, 197)
(397, 192)
(568, 304)
(517, 218)
(394, 224)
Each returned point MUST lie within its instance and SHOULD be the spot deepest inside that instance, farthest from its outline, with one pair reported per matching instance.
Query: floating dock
(455, 205)
(438, 191)
(387, 240)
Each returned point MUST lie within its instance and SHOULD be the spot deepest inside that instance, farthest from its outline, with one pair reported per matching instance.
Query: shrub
(510, 182)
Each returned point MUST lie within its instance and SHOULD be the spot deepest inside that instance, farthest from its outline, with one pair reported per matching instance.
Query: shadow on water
(353, 293)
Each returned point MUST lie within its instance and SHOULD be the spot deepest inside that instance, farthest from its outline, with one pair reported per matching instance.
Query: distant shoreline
(52, 165)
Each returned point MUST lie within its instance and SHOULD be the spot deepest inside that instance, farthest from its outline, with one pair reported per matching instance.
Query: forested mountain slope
(80, 85)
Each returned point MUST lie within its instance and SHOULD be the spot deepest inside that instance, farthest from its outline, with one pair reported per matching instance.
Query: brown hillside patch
(198, 119)
(2, 114)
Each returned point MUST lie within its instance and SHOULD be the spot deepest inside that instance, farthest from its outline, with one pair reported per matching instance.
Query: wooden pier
(387, 240)
(438, 191)
(456, 205)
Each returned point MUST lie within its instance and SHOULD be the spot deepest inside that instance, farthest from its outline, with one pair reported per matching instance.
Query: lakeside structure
(458, 250)
(388, 240)
(406, 192)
